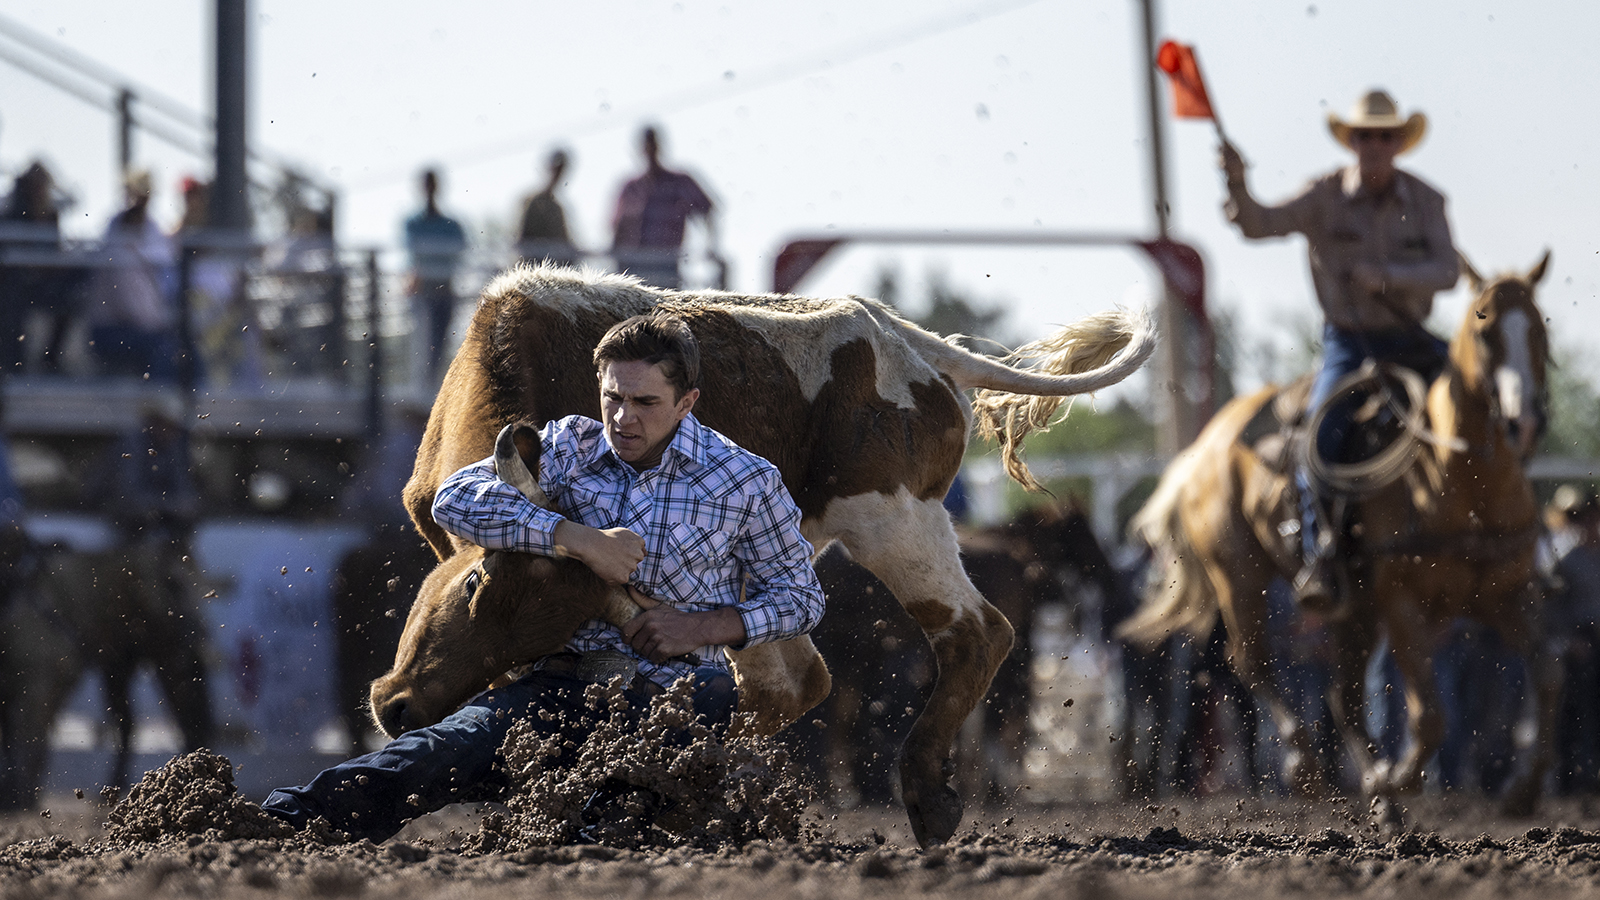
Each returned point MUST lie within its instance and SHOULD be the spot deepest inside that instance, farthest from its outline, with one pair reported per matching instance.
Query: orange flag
(1189, 99)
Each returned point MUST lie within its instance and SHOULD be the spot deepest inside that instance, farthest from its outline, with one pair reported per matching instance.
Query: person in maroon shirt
(652, 212)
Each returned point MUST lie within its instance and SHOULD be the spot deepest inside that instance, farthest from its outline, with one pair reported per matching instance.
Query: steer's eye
(471, 584)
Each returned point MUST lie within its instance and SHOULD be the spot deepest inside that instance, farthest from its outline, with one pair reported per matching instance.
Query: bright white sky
(801, 117)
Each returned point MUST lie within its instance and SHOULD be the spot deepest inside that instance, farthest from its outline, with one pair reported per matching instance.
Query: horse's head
(1059, 536)
(1503, 348)
(483, 612)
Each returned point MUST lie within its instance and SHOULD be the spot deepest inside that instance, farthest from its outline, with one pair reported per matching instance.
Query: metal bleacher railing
(292, 337)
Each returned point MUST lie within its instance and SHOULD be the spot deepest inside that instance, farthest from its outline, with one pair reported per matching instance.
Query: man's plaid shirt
(714, 517)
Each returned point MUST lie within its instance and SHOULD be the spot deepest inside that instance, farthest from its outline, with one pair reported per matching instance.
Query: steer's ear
(516, 461)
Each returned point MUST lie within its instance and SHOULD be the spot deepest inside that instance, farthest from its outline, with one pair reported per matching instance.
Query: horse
(1454, 535)
(110, 612)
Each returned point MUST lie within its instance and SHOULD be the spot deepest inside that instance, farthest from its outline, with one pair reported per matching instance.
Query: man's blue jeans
(373, 796)
(1343, 352)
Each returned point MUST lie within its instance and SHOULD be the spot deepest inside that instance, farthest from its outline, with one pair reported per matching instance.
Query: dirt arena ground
(1232, 848)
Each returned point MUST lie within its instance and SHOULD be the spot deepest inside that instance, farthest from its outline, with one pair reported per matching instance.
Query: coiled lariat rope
(1360, 479)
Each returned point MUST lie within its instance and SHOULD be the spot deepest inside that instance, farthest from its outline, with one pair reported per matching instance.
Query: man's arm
(1440, 267)
(475, 505)
(662, 632)
(1252, 218)
(782, 597)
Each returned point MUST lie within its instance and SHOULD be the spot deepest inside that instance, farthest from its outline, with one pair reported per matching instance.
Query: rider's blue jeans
(1343, 352)
(373, 796)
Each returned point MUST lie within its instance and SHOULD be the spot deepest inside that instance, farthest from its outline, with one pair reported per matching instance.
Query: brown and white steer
(865, 415)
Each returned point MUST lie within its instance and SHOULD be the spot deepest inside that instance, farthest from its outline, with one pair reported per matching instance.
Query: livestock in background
(1046, 554)
(1452, 536)
(865, 415)
(373, 587)
(106, 612)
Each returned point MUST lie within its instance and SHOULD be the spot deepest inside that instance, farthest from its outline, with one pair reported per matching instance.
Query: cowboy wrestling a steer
(865, 418)
(659, 503)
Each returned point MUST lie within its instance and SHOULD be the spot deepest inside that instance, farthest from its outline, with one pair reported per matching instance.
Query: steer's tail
(1088, 355)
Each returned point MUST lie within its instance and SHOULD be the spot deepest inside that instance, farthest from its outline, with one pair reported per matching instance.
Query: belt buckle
(600, 666)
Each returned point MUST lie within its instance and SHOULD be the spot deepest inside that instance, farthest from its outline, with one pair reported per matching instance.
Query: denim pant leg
(1342, 353)
(373, 796)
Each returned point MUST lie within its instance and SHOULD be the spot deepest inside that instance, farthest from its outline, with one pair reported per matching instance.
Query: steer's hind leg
(911, 546)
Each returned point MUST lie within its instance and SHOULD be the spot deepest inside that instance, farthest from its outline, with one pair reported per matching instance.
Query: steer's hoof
(934, 810)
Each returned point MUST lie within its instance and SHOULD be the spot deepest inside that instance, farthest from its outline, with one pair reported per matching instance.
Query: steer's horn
(516, 459)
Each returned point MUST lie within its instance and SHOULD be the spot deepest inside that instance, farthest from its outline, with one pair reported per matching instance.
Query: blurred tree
(949, 312)
(1574, 428)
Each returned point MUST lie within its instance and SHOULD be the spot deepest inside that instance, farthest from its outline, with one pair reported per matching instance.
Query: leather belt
(599, 667)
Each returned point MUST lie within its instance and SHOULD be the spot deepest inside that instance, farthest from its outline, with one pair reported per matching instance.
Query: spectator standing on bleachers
(133, 302)
(543, 234)
(652, 212)
(435, 242)
(30, 227)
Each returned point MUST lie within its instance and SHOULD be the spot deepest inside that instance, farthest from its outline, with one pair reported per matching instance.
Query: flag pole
(1216, 117)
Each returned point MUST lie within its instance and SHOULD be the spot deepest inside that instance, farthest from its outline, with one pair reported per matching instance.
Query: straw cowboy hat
(1376, 109)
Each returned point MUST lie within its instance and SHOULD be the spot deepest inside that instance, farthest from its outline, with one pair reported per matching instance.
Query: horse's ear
(1474, 280)
(1537, 272)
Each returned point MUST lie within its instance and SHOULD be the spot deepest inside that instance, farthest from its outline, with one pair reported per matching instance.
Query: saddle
(1274, 432)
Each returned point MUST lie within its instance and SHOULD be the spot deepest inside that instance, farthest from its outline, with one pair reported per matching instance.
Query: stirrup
(1317, 589)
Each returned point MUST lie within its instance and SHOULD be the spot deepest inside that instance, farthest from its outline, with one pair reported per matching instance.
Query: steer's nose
(392, 717)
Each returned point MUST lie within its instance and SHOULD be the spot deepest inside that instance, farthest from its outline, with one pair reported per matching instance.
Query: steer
(865, 415)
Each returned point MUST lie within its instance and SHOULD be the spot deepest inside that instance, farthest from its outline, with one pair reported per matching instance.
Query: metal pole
(374, 353)
(1158, 157)
(124, 131)
(1175, 419)
(188, 358)
(230, 201)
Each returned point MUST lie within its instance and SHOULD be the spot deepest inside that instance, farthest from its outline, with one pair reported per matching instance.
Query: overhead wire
(723, 88)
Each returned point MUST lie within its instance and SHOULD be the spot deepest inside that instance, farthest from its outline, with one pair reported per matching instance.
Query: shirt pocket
(699, 559)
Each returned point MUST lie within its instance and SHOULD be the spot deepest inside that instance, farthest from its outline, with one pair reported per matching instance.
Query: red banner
(1189, 98)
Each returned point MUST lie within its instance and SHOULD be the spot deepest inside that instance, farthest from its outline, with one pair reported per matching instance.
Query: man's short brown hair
(658, 339)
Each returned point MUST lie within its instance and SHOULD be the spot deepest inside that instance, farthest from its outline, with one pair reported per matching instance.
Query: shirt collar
(1351, 187)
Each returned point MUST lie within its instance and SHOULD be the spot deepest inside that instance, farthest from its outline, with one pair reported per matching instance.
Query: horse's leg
(1546, 672)
(911, 546)
(844, 726)
(1353, 641)
(1410, 639)
(1242, 600)
(116, 676)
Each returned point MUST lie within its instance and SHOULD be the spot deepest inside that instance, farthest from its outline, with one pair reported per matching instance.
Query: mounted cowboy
(1379, 246)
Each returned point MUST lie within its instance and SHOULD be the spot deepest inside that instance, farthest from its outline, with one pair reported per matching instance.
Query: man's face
(639, 412)
(1376, 147)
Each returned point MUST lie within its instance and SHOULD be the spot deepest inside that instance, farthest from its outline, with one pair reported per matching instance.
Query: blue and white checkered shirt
(714, 518)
